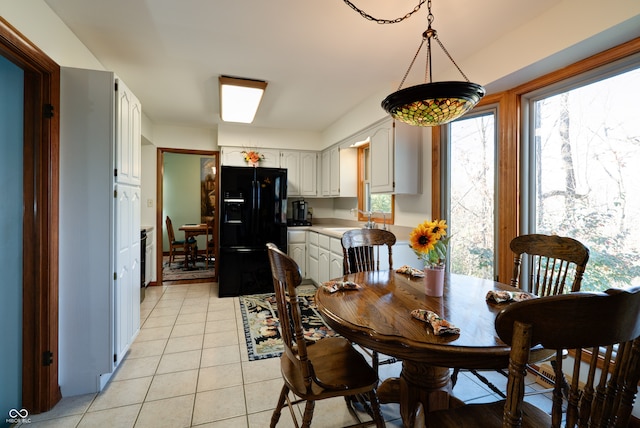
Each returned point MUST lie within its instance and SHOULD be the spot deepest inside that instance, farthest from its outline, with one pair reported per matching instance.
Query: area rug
(260, 318)
(176, 271)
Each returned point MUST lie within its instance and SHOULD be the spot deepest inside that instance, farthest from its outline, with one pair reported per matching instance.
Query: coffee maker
(300, 212)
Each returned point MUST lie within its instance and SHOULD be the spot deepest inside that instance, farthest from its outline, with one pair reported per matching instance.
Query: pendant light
(431, 103)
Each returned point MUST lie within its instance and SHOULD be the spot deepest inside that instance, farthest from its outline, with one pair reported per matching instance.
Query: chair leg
(308, 413)
(375, 408)
(454, 377)
(275, 417)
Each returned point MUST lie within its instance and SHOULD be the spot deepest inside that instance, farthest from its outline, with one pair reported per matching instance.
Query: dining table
(191, 231)
(378, 316)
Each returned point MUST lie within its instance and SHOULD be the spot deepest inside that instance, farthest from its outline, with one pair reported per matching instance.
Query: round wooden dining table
(378, 316)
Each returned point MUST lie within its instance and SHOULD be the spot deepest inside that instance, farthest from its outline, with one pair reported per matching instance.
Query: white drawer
(336, 246)
(324, 241)
(297, 236)
(313, 251)
(313, 238)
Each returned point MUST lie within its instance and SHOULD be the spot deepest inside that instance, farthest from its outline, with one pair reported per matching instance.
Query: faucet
(370, 224)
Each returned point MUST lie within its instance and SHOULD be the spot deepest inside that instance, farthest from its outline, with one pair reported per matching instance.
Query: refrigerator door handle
(254, 206)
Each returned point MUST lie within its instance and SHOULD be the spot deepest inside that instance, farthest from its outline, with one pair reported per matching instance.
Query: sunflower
(438, 228)
(422, 238)
(429, 241)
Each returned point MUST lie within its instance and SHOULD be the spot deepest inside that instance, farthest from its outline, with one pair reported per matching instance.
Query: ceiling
(319, 57)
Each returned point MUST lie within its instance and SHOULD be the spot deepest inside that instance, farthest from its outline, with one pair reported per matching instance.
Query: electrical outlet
(150, 203)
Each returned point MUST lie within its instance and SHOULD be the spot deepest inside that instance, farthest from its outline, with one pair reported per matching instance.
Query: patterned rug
(177, 272)
(260, 317)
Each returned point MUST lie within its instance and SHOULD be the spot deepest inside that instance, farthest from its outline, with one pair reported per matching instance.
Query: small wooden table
(379, 317)
(191, 231)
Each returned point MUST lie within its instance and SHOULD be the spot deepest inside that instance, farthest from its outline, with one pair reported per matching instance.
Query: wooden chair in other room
(602, 331)
(361, 252)
(175, 244)
(313, 371)
(210, 248)
(556, 266)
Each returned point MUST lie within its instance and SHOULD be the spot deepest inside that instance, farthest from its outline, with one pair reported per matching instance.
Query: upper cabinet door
(291, 161)
(308, 173)
(382, 161)
(128, 133)
(396, 157)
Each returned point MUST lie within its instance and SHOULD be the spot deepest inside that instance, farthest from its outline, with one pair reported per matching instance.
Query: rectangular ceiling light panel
(239, 98)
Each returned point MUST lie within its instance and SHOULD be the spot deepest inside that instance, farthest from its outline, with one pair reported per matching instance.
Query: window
(469, 195)
(380, 205)
(582, 171)
(600, 128)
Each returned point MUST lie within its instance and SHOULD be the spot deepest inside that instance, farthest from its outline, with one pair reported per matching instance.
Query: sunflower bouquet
(429, 241)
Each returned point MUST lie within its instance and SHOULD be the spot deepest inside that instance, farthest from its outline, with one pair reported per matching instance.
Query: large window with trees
(582, 172)
(567, 146)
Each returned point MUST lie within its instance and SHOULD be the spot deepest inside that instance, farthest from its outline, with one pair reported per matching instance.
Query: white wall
(184, 137)
(247, 136)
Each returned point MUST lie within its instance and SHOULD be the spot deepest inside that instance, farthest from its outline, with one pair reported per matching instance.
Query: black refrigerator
(253, 204)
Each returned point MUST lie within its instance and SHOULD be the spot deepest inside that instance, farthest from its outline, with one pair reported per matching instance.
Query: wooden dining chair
(556, 265)
(361, 249)
(313, 371)
(361, 252)
(174, 244)
(552, 260)
(601, 329)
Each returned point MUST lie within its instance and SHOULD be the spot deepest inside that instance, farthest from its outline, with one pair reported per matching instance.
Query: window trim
(361, 196)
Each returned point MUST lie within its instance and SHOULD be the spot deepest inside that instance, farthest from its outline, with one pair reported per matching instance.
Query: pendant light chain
(385, 21)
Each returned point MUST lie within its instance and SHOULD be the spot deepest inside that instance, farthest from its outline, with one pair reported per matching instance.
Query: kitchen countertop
(337, 229)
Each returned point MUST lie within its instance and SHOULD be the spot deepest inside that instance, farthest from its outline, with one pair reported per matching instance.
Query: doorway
(200, 199)
(39, 390)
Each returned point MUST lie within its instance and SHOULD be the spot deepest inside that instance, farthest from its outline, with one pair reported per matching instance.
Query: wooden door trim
(159, 205)
(40, 389)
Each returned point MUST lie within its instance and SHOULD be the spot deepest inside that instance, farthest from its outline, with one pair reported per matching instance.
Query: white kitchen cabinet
(348, 173)
(339, 172)
(334, 174)
(308, 173)
(312, 257)
(128, 117)
(99, 242)
(396, 158)
(302, 170)
(336, 267)
(297, 248)
(324, 258)
(232, 156)
(326, 173)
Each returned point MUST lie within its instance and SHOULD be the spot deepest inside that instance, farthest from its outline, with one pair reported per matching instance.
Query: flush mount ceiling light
(239, 98)
(429, 104)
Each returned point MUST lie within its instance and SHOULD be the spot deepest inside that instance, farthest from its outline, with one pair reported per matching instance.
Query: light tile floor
(189, 367)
